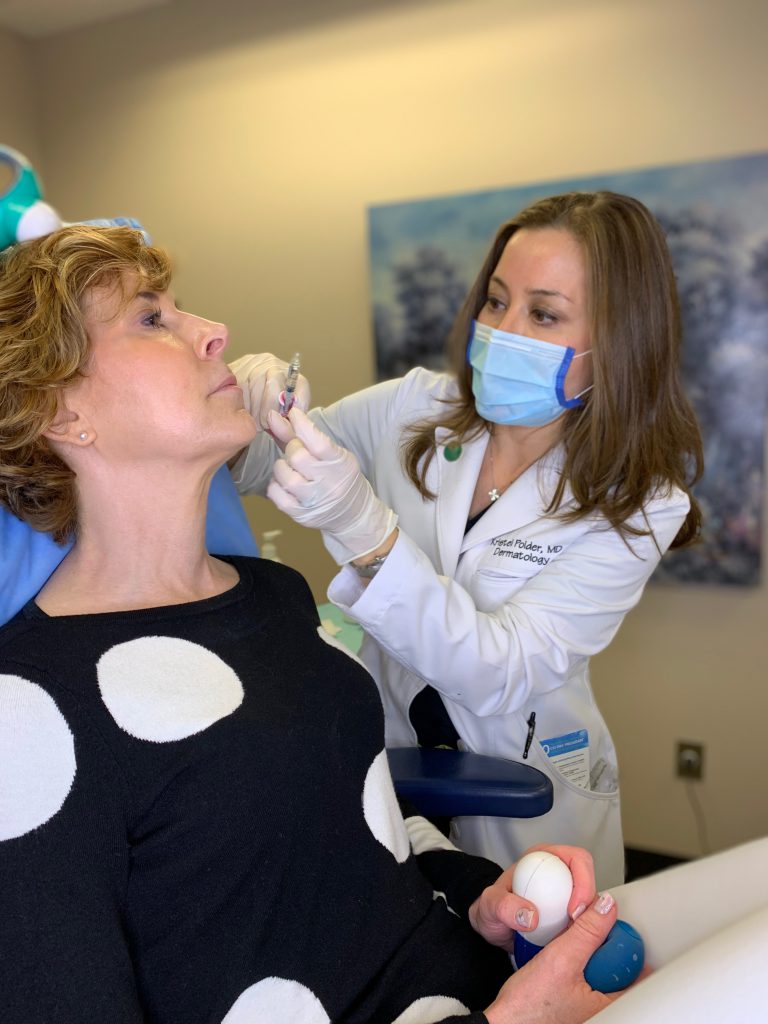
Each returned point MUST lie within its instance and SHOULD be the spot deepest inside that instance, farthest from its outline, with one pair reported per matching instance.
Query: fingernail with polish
(578, 911)
(524, 917)
(604, 902)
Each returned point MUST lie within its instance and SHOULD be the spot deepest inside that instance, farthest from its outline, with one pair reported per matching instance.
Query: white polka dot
(277, 1001)
(37, 757)
(382, 811)
(333, 642)
(431, 1009)
(161, 688)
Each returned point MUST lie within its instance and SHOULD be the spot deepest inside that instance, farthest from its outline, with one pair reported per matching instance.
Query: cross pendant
(493, 494)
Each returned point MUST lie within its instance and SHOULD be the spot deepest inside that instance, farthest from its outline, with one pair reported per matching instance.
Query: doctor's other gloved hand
(319, 484)
(262, 378)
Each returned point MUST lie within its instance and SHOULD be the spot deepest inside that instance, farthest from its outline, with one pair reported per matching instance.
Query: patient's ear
(70, 427)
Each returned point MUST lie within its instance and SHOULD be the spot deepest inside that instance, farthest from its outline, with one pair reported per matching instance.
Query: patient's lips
(228, 383)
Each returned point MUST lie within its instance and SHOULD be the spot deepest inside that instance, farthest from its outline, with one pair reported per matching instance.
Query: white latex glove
(319, 484)
(262, 378)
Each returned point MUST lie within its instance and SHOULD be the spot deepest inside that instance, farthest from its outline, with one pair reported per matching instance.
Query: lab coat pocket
(578, 817)
(593, 773)
(586, 810)
(583, 759)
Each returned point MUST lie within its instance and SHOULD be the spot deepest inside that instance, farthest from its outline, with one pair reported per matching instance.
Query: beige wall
(251, 138)
(20, 111)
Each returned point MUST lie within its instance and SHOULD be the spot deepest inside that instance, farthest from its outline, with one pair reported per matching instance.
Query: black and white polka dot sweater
(198, 826)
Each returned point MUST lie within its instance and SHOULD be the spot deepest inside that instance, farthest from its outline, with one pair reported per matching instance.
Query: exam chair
(448, 783)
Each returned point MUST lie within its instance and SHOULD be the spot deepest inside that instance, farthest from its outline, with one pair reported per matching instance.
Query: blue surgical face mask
(518, 380)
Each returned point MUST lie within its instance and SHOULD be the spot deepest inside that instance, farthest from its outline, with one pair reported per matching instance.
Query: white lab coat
(501, 620)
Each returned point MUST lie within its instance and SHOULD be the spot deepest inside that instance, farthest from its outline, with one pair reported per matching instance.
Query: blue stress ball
(618, 961)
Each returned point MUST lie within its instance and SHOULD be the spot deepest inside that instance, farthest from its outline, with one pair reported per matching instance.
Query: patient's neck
(141, 544)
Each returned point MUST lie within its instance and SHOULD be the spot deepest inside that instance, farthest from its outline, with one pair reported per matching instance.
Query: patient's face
(157, 385)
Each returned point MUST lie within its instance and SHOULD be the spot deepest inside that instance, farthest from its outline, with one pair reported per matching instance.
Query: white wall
(251, 138)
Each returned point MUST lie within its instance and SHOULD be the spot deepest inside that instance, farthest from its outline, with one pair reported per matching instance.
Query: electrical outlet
(689, 760)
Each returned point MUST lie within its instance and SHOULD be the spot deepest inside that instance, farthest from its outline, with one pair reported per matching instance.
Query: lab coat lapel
(523, 502)
(454, 483)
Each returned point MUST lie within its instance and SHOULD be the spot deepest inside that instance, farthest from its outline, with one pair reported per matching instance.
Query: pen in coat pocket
(529, 738)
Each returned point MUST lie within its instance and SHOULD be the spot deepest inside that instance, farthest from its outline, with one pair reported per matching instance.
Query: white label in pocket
(570, 755)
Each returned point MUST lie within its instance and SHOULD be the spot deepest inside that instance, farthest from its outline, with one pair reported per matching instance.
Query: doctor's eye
(494, 304)
(543, 317)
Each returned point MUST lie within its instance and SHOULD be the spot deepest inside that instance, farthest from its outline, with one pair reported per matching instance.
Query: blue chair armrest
(445, 783)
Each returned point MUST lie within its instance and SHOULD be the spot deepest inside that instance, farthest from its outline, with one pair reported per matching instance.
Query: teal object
(451, 452)
(23, 193)
(23, 198)
(341, 628)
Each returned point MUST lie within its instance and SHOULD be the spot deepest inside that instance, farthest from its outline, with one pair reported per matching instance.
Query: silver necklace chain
(494, 494)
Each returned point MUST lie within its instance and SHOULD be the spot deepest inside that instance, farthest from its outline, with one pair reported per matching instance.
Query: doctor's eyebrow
(548, 292)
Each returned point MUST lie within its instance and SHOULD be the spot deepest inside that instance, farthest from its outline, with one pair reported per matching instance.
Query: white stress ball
(545, 880)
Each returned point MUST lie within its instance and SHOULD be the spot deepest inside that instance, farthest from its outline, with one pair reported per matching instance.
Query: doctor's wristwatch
(369, 570)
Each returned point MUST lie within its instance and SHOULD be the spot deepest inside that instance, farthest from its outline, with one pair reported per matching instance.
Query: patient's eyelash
(153, 319)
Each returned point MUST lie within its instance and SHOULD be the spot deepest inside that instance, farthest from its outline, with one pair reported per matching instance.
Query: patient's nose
(212, 340)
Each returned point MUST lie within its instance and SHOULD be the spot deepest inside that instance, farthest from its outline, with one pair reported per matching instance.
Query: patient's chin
(231, 441)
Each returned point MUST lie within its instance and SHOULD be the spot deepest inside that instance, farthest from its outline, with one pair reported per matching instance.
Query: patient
(197, 822)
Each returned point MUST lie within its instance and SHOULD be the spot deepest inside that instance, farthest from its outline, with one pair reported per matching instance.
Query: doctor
(516, 507)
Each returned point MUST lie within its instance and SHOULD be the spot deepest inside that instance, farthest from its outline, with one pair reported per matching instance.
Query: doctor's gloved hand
(262, 378)
(319, 484)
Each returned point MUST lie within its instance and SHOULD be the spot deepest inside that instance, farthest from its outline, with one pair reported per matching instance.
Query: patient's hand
(551, 989)
(498, 913)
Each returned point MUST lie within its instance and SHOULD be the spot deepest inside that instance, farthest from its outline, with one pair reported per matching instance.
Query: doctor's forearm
(431, 626)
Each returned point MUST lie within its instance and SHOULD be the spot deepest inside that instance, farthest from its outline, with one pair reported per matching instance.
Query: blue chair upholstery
(445, 783)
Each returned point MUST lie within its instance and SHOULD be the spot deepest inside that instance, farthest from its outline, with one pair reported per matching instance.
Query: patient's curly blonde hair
(44, 348)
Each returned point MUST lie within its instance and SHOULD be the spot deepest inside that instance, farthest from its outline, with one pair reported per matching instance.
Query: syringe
(286, 397)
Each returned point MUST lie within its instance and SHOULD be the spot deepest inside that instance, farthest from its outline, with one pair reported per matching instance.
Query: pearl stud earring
(83, 435)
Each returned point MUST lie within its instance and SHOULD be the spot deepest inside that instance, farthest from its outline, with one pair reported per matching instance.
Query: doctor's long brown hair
(636, 431)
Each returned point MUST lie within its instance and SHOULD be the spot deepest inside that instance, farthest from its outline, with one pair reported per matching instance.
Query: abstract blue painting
(426, 253)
